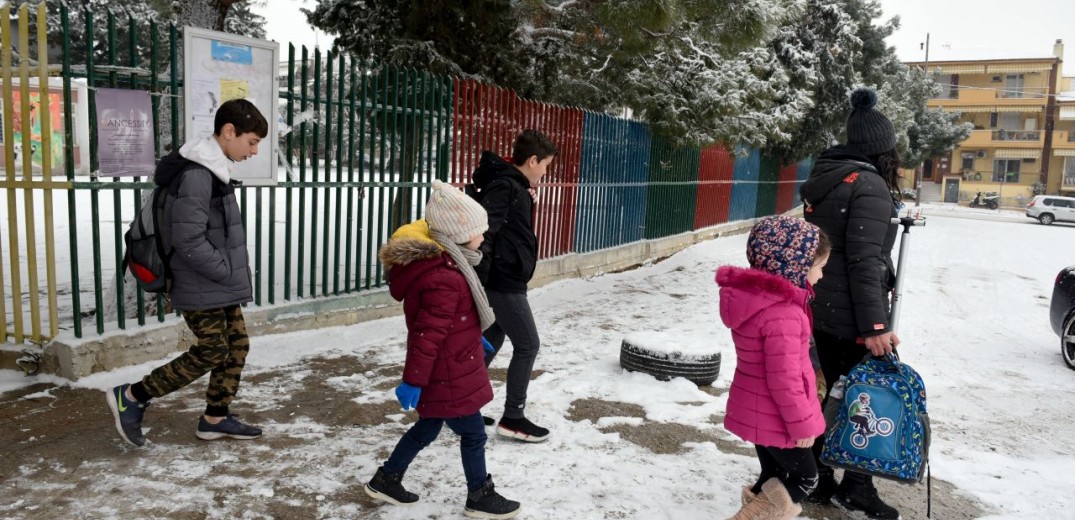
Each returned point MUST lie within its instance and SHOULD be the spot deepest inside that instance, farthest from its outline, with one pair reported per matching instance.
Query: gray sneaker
(127, 414)
(230, 427)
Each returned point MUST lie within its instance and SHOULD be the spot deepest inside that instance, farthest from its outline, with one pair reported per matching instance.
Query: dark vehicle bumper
(1063, 301)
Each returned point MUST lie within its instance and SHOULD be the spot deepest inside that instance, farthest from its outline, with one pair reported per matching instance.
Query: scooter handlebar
(908, 221)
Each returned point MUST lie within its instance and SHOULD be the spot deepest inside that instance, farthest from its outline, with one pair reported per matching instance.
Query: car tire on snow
(699, 369)
(1067, 341)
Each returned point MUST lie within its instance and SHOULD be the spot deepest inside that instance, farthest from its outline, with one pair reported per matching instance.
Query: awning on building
(1024, 109)
(958, 69)
(1067, 113)
(980, 109)
(1018, 67)
(1064, 152)
(1017, 153)
(968, 109)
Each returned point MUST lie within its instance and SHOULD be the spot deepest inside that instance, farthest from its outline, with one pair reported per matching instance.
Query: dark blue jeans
(471, 430)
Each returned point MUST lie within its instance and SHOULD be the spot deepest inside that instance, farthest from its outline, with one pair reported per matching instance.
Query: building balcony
(1005, 138)
(1064, 139)
(997, 97)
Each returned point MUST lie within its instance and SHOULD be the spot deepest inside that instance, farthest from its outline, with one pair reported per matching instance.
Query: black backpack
(147, 256)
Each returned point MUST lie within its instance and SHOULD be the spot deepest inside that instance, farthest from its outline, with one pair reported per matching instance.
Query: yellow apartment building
(1023, 112)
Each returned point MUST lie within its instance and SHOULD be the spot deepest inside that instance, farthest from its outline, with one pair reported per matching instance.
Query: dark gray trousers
(515, 320)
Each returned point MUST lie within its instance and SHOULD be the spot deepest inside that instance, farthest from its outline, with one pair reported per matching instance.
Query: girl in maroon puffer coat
(431, 270)
(773, 399)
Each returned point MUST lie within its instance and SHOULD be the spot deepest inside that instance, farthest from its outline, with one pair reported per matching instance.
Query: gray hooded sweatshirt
(210, 263)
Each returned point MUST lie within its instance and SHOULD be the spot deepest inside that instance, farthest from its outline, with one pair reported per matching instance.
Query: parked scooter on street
(991, 200)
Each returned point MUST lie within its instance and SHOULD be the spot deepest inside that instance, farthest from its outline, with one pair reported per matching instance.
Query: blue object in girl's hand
(486, 345)
(408, 395)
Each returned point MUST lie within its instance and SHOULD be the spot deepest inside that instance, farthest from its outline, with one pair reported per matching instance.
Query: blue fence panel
(805, 166)
(612, 182)
(747, 174)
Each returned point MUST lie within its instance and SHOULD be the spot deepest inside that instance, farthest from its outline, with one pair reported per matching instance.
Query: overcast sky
(959, 29)
(982, 29)
(286, 24)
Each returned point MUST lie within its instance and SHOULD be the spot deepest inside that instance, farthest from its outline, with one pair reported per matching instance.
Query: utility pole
(918, 170)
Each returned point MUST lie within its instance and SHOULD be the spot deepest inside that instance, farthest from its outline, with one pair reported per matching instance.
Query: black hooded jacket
(510, 248)
(847, 198)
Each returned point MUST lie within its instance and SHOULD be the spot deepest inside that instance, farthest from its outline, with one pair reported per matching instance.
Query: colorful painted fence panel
(486, 117)
(745, 190)
(673, 178)
(715, 170)
(612, 182)
(801, 174)
(768, 175)
(785, 191)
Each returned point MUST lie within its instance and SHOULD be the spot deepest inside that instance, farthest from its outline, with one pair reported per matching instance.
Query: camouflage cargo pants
(221, 349)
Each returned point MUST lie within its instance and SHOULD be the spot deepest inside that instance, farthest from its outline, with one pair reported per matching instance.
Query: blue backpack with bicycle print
(877, 421)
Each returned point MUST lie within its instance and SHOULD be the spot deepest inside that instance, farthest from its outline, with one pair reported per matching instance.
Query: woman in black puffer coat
(852, 196)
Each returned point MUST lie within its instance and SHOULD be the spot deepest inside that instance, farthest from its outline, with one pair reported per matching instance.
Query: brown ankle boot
(747, 496)
(757, 508)
(777, 495)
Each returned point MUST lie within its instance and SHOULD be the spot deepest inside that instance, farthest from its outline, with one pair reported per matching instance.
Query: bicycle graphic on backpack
(867, 424)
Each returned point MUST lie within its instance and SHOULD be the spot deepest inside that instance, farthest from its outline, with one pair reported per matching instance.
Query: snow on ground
(974, 324)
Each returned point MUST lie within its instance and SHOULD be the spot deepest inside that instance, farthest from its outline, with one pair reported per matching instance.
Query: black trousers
(794, 467)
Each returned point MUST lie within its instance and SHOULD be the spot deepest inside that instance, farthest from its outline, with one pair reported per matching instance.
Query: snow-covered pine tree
(467, 38)
(233, 16)
(820, 50)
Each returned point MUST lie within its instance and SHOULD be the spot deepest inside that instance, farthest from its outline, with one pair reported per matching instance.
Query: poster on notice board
(219, 67)
(124, 133)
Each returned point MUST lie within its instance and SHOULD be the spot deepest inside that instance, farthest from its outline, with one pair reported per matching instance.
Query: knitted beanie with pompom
(868, 130)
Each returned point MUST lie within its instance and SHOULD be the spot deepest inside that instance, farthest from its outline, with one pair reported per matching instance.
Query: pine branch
(558, 9)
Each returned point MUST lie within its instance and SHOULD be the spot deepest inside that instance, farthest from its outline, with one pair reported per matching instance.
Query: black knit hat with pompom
(868, 130)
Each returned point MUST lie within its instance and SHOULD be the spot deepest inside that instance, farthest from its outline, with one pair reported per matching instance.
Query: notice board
(218, 67)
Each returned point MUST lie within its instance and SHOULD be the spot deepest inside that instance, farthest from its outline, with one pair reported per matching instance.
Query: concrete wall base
(74, 358)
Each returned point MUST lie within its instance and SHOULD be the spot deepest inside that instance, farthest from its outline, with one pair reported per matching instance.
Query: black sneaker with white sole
(128, 415)
(389, 488)
(521, 429)
(485, 502)
(230, 428)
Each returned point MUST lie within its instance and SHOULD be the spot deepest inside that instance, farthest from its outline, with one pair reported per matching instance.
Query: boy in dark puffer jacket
(210, 276)
(431, 270)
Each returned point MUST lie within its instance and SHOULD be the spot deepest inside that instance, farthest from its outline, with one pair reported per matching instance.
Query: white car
(1051, 208)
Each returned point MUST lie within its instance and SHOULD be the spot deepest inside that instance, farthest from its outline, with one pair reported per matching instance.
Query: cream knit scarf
(466, 260)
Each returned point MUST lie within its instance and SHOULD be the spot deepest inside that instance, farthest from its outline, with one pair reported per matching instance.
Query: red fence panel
(715, 169)
(489, 118)
(785, 191)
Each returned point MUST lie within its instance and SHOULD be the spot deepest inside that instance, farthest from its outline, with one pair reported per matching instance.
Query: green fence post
(300, 255)
(69, 166)
(316, 167)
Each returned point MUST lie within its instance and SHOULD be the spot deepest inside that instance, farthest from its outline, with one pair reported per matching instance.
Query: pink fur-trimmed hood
(746, 292)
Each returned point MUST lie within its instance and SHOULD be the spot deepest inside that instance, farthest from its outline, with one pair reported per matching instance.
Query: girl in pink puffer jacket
(773, 399)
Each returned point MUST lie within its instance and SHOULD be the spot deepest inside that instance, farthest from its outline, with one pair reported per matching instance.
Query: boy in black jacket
(508, 193)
